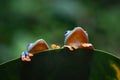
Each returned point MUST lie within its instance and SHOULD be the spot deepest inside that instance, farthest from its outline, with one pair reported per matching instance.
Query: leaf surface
(62, 64)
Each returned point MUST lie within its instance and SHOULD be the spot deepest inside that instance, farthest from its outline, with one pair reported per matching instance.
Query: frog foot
(26, 56)
(54, 46)
(71, 48)
(87, 46)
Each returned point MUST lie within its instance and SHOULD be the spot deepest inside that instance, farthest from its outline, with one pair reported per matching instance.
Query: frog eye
(29, 46)
(67, 32)
(86, 33)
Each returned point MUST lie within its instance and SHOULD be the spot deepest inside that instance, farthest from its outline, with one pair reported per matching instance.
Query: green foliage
(64, 64)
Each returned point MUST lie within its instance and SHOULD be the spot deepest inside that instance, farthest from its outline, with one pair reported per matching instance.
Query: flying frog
(77, 38)
(38, 46)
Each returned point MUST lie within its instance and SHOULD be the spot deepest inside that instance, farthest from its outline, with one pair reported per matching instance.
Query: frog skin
(38, 46)
(77, 38)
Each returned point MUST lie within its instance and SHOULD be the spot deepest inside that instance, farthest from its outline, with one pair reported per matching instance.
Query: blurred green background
(25, 21)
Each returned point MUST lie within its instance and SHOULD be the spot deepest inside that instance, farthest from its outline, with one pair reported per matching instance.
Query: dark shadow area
(58, 65)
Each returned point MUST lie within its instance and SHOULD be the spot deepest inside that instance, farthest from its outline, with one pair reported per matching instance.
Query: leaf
(62, 64)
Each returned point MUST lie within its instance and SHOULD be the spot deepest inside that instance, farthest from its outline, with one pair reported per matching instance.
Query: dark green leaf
(62, 64)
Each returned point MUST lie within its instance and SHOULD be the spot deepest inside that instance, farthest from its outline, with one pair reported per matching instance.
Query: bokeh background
(25, 21)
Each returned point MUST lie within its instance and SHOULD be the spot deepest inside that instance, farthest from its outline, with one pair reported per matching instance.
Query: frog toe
(30, 54)
(25, 56)
(69, 47)
(75, 47)
(54, 46)
(88, 46)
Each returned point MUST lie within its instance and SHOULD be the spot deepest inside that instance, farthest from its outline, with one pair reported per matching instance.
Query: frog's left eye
(29, 46)
(86, 33)
(67, 32)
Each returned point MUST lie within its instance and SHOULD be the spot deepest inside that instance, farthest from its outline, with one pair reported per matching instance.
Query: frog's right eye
(67, 33)
(29, 46)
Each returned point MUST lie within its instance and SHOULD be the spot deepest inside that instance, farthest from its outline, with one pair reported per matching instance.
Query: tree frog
(39, 45)
(77, 38)
(74, 39)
